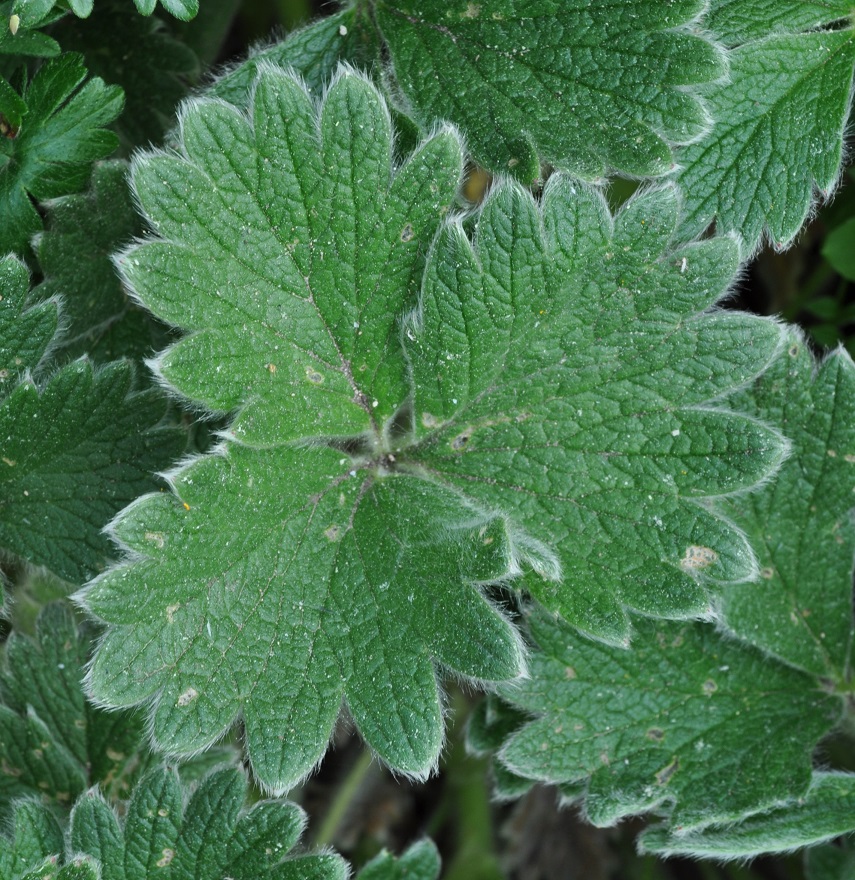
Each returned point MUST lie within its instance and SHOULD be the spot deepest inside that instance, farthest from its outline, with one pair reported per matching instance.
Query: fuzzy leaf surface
(564, 365)
(290, 248)
(420, 862)
(738, 21)
(61, 135)
(325, 582)
(207, 836)
(826, 811)
(98, 445)
(26, 331)
(74, 253)
(801, 524)
(778, 136)
(585, 87)
(313, 51)
(689, 720)
(53, 743)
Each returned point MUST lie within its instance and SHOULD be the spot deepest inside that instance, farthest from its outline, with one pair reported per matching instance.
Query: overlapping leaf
(801, 525)
(779, 120)
(60, 136)
(53, 744)
(290, 248)
(737, 21)
(824, 812)
(74, 254)
(26, 331)
(563, 368)
(420, 862)
(140, 55)
(164, 833)
(586, 87)
(704, 727)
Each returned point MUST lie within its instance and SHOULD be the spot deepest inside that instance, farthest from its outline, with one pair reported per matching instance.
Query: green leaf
(737, 21)
(183, 10)
(61, 135)
(53, 744)
(830, 861)
(75, 452)
(26, 332)
(420, 862)
(839, 249)
(140, 55)
(778, 137)
(295, 258)
(801, 524)
(689, 721)
(349, 582)
(74, 253)
(825, 812)
(313, 51)
(208, 836)
(588, 88)
(564, 369)
(35, 836)
(13, 108)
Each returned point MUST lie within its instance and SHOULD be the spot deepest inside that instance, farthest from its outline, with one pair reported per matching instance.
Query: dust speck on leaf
(462, 439)
(569, 673)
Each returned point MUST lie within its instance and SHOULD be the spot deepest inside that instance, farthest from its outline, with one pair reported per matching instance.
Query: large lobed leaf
(552, 415)
(588, 87)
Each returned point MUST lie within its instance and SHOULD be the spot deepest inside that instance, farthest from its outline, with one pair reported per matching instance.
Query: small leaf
(140, 55)
(825, 812)
(801, 525)
(54, 744)
(35, 836)
(778, 136)
(831, 861)
(313, 51)
(74, 253)
(74, 453)
(689, 720)
(839, 249)
(61, 135)
(208, 836)
(25, 333)
(420, 862)
(584, 87)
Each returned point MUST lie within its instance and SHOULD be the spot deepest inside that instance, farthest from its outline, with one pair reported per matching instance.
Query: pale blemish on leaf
(655, 734)
(314, 376)
(168, 856)
(709, 687)
(156, 538)
(170, 612)
(663, 777)
(187, 697)
(697, 558)
(333, 533)
(407, 233)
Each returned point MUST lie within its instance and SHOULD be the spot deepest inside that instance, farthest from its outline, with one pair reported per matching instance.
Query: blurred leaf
(75, 255)
(831, 861)
(420, 862)
(139, 54)
(738, 21)
(839, 249)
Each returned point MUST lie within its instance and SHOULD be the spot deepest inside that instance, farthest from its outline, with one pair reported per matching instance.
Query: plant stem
(344, 797)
